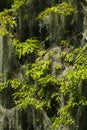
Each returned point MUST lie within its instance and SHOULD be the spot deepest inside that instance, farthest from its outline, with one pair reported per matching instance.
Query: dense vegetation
(59, 88)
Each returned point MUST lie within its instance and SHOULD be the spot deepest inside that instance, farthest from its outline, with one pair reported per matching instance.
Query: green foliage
(6, 21)
(18, 3)
(24, 93)
(58, 67)
(64, 43)
(69, 58)
(50, 54)
(71, 85)
(38, 87)
(38, 69)
(4, 85)
(63, 9)
(48, 80)
(28, 47)
(36, 84)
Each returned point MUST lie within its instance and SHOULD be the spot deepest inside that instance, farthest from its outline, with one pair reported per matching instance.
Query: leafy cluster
(18, 3)
(7, 22)
(72, 85)
(62, 9)
(28, 47)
